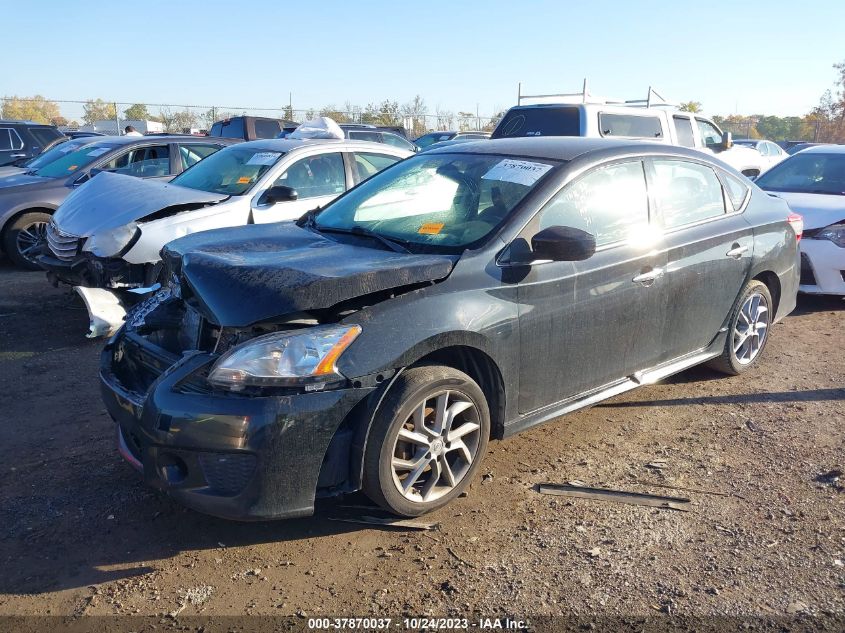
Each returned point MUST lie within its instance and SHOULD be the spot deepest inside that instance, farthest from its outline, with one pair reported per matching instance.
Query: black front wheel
(427, 441)
(24, 237)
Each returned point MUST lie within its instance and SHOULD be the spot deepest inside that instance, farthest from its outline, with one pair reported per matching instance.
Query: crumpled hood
(255, 273)
(108, 201)
(818, 210)
(22, 180)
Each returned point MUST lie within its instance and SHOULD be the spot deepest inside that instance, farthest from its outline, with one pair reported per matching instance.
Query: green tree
(98, 110)
(178, 121)
(137, 112)
(690, 106)
(35, 108)
(287, 114)
(333, 113)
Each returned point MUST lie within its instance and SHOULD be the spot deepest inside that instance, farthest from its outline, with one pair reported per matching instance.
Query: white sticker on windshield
(64, 149)
(522, 172)
(264, 158)
(99, 151)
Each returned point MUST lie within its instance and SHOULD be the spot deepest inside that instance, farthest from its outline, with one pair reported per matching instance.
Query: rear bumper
(823, 267)
(236, 457)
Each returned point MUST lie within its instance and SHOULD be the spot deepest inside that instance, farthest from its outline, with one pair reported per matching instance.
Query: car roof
(290, 144)
(20, 122)
(167, 138)
(824, 149)
(563, 148)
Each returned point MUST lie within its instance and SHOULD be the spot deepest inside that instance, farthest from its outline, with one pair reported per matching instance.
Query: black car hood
(245, 275)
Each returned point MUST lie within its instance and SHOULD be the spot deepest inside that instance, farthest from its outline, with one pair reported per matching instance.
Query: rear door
(586, 324)
(318, 179)
(11, 146)
(709, 248)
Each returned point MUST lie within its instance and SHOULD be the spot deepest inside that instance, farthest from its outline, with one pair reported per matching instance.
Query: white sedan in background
(813, 184)
(772, 153)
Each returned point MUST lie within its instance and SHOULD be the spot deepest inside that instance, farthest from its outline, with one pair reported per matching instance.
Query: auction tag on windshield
(243, 180)
(431, 228)
(264, 158)
(99, 151)
(72, 167)
(521, 172)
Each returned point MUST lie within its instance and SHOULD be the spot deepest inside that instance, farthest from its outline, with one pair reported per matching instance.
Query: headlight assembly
(835, 233)
(285, 359)
(114, 242)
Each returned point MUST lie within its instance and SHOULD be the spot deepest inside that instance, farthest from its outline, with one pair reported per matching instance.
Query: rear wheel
(748, 330)
(427, 441)
(23, 238)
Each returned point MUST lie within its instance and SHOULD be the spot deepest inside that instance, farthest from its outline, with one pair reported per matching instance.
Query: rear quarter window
(563, 121)
(628, 125)
(736, 189)
(267, 129)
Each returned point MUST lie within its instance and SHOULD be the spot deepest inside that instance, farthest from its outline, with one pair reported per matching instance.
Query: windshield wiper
(392, 243)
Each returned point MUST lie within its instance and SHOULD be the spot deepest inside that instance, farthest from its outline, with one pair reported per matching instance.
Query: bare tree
(445, 119)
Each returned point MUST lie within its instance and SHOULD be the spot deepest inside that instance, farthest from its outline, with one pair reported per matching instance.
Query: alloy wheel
(436, 446)
(751, 328)
(29, 238)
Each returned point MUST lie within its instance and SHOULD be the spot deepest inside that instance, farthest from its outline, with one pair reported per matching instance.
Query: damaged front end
(225, 382)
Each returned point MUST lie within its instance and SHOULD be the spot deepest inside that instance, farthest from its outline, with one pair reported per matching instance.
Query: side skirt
(646, 377)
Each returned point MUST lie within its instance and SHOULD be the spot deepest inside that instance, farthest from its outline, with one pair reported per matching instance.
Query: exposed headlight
(835, 233)
(285, 358)
(112, 243)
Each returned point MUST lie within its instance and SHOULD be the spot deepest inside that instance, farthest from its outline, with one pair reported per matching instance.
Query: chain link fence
(109, 116)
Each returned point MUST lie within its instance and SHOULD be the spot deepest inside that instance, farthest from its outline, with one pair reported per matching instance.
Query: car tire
(25, 231)
(420, 405)
(748, 330)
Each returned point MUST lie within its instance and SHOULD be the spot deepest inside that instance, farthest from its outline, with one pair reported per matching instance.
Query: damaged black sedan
(458, 296)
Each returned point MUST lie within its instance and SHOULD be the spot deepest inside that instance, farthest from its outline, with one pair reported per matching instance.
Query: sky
(755, 57)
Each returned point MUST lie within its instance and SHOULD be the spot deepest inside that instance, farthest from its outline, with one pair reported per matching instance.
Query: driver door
(585, 324)
(317, 180)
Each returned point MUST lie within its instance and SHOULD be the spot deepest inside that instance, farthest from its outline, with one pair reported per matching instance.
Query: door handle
(737, 251)
(17, 155)
(648, 277)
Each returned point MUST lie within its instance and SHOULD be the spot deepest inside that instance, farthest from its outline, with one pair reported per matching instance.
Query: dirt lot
(82, 536)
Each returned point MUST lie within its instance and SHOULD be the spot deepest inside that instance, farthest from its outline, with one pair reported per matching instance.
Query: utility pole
(116, 119)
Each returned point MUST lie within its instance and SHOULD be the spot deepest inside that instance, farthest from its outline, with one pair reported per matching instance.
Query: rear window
(554, 121)
(683, 126)
(630, 125)
(267, 129)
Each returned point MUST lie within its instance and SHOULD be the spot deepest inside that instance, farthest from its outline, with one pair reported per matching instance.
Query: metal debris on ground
(388, 522)
(605, 494)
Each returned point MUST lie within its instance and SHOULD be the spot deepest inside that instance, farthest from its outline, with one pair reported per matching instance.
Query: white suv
(637, 119)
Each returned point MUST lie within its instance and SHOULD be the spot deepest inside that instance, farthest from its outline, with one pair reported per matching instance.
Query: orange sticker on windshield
(243, 180)
(72, 167)
(431, 228)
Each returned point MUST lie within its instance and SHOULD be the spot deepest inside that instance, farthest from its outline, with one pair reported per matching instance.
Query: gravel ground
(764, 537)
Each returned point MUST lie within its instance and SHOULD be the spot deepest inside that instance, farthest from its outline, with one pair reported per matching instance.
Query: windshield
(73, 161)
(807, 173)
(57, 152)
(442, 202)
(232, 171)
(433, 137)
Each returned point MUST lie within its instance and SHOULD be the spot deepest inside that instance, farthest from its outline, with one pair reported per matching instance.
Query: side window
(710, 134)
(216, 129)
(267, 129)
(375, 137)
(192, 154)
(737, 190)
(396, 141)
(630, 125)
(44, 135)
(683, 126)
(764, 149)
(5, 139)
(313, 176)
(368, 164)
(686, 192)
(774, 150)
(609, 202)
(143, 162)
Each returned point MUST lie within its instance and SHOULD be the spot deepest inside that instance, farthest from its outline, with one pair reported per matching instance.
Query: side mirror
(563, 244)
(278, 193)
(727, 140)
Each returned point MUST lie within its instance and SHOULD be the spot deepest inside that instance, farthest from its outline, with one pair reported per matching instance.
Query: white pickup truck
(637, 119)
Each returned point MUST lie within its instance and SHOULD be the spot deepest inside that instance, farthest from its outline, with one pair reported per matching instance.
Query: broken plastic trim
(105, 314)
